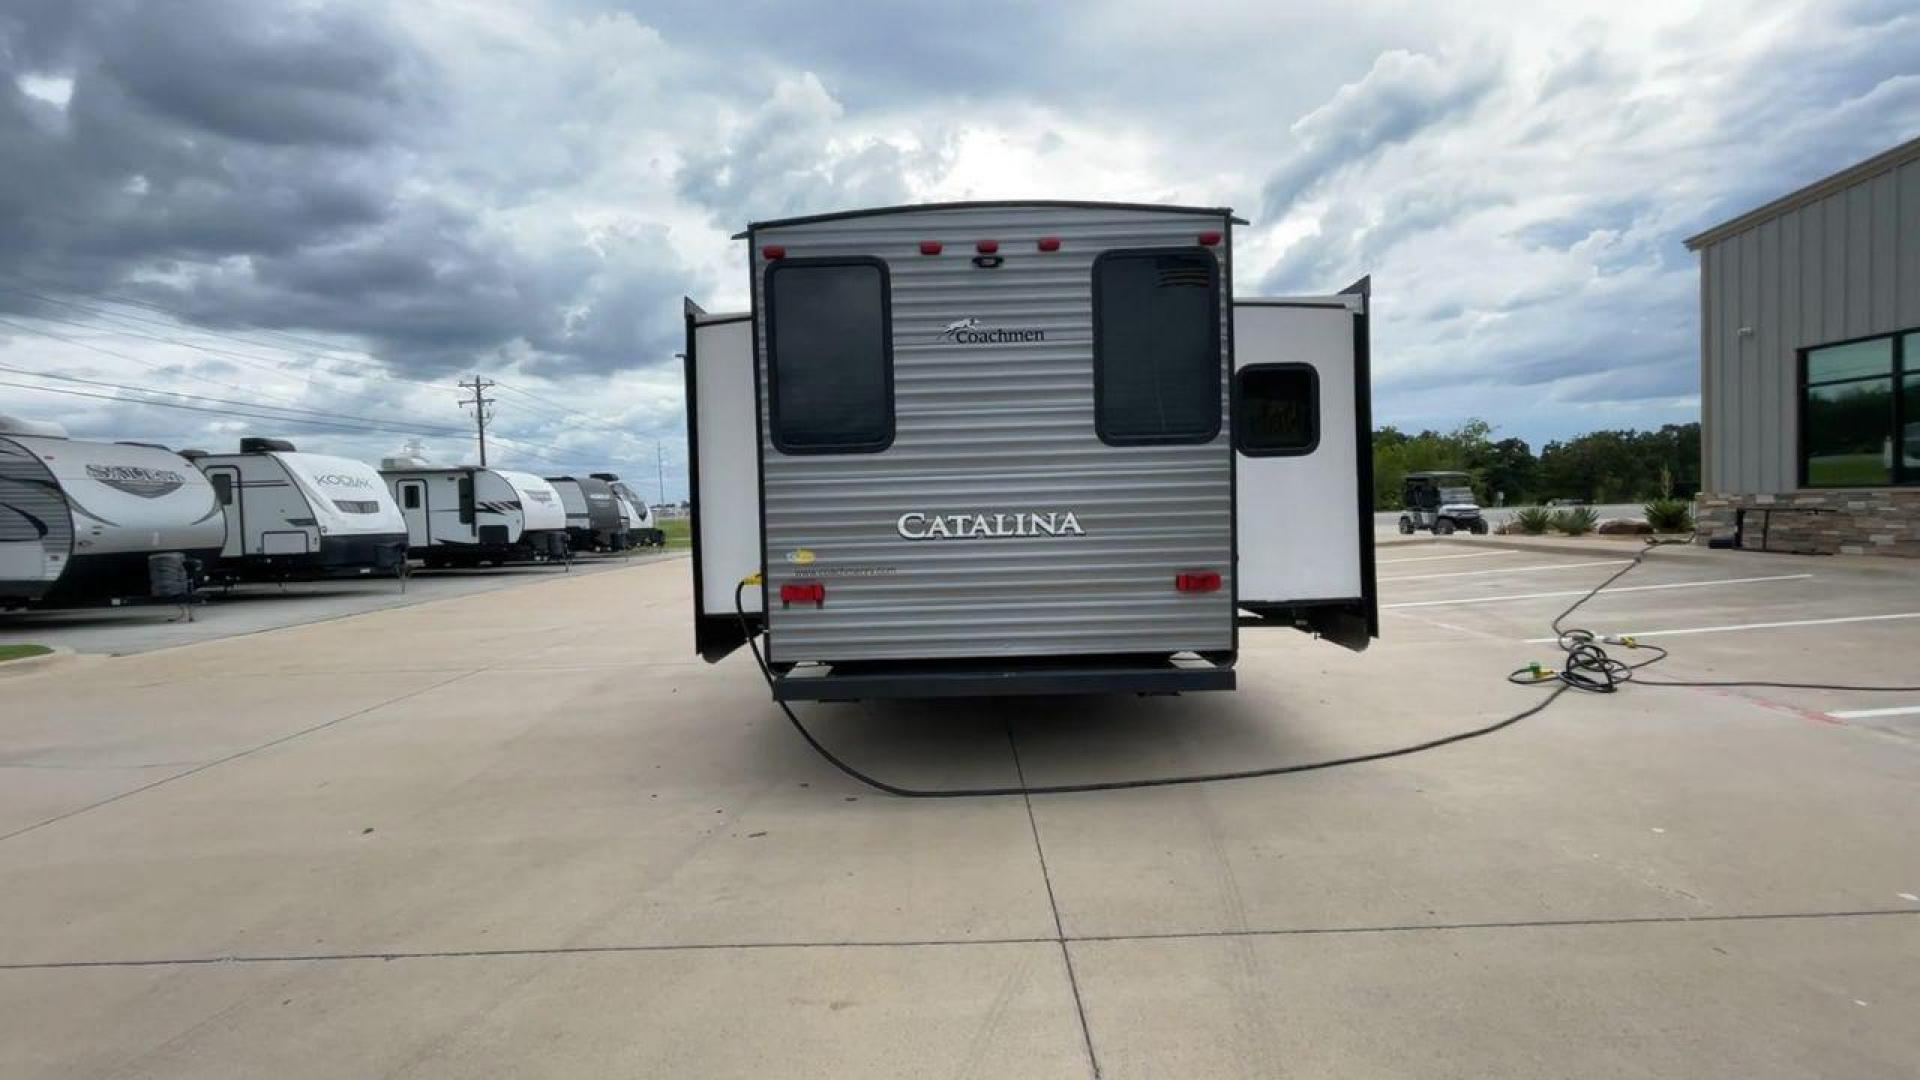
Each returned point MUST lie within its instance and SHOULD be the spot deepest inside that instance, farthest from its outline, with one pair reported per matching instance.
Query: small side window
(829, 356)
(223, 488)
(410, 496)
(1276, 410)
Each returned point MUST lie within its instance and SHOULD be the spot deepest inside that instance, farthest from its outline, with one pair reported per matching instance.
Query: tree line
(1598, 467)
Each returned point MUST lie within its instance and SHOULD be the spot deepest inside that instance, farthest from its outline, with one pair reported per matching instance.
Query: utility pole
(660, 468)
(482, 410)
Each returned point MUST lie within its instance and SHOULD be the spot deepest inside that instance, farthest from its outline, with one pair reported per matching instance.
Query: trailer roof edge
(908, 208)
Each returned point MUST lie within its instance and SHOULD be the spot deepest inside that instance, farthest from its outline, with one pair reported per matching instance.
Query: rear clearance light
(929, 247)
(1197, 581)
(1049, 243)
(1208, 239)
(987, 247)
(812, 592)
(772, 252)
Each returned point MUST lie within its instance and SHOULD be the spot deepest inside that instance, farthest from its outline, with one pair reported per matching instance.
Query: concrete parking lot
(524, 832)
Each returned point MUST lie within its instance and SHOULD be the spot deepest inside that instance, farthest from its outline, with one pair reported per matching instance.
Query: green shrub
(1534, 520)
(1670, 515)
(1576, 521)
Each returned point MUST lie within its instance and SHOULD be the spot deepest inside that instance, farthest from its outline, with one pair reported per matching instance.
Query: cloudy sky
(335, 211)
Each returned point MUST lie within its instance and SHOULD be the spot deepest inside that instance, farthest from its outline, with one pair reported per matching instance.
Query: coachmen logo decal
(919, 526)
(343, 480)
(970, 331)
(137, 479)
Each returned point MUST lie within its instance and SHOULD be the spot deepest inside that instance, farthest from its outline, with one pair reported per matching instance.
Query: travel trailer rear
(292, 515)
(1024, 448)
(79, 519)
(641, 527)
(465, 516)
(594, 518)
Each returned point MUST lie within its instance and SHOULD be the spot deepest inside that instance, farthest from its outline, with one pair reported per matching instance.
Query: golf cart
(1441, 502)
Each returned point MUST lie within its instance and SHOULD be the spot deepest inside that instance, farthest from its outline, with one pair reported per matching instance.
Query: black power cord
(1104, 785)
(1587, 668)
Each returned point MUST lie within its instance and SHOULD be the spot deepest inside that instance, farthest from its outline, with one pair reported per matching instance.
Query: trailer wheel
(1406, 526)
(1443, 527)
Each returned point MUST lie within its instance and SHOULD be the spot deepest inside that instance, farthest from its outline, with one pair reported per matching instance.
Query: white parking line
(1508, 570)
(1752, 626)
(1436, 558)
(1609, 592)
(1862, 714)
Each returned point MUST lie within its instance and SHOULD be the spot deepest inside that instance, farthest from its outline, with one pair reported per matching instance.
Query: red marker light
(1049, 243)
(803, 592)
(987, 247)
(1208, 239)
(1197, 581)
(929, 247)
(772, 252)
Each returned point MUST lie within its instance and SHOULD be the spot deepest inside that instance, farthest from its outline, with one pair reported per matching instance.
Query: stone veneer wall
(1858, 521)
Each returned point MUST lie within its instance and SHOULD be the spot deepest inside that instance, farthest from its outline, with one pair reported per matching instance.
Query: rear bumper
(994, 678)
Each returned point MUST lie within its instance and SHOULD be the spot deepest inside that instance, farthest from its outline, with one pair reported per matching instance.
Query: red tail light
(1208, 239)
(772, 252)
(929, 247)
(1049, 243)
(1197, 581)
(811, 592)
(987, 247)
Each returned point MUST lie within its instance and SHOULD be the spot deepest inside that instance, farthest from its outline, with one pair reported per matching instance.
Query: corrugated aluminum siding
(1844, 266)
(1000, 428)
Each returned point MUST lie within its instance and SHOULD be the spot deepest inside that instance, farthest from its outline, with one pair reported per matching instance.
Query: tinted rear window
(1156, 346)
(829, 356)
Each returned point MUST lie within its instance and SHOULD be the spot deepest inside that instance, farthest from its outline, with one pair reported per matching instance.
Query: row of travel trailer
(82, 520)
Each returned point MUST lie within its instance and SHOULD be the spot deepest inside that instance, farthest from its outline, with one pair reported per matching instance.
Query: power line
(186, 327)
(400, 427)
(374, 423)
(197, 408)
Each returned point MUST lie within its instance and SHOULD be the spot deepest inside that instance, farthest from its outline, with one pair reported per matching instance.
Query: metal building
(1810, 365)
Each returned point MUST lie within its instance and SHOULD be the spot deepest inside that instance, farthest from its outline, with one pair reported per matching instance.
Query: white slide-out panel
(1298, 518)
(729, 461)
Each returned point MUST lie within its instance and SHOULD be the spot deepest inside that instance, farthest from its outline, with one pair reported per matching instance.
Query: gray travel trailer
(641, 528)
(594, 519)
(80, 519)
(983, 448)
(294, 516)
(466, 516)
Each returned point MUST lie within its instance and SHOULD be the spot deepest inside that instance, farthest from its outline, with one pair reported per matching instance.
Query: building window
(829, 356)
(1860, 413)
(1276, 410)
(1156, 346)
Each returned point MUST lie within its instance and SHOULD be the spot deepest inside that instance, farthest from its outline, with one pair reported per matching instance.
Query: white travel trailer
(78, 519)
(642, 530)
(465, 516)
(595, 521)
(293, 515)
(1030, 447)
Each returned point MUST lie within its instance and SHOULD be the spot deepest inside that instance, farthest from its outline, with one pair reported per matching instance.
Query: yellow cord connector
(751, 579)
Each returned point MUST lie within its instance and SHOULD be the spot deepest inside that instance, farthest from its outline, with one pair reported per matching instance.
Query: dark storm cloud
(311, 77)
(778, 163)
(254, 165)
(1401, 95)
